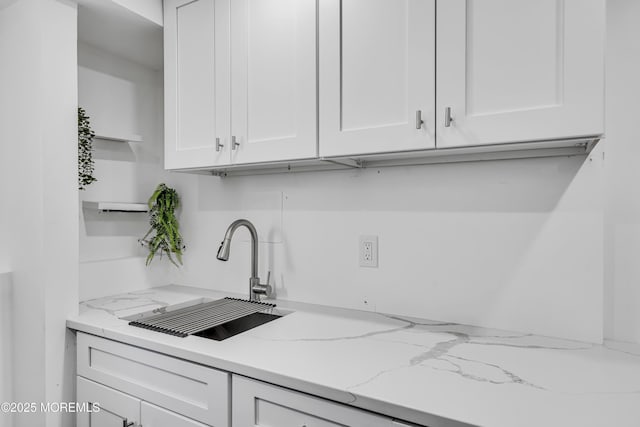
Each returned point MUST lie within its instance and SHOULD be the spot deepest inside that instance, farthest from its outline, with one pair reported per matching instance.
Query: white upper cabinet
(519, 70)
(377, 74)
(250, 82)
(240, 82)
(197, 91)
(273, 80)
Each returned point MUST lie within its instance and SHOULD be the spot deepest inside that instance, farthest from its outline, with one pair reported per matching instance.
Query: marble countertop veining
(432, 373)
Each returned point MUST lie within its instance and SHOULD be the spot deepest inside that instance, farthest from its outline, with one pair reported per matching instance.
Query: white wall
(4, 191)
(18, 22)
(121, 97)
(39, 154)
(6, 344)
(4, 217)
(5, 3)
(6, 335)
(148, 9)
(505, 244)
(622, 214)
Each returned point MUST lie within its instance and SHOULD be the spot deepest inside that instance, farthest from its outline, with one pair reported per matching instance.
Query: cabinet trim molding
(518, 150)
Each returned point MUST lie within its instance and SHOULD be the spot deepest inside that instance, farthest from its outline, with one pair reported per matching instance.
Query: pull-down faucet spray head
(223, 251)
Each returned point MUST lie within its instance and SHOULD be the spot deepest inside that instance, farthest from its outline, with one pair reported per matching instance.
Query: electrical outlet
(368, 251)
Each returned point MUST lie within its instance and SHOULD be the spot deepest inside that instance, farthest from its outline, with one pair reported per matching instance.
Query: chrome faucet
(255, 287)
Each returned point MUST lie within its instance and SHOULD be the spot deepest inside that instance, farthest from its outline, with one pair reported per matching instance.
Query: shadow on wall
(528, 185)
(108, 150)
(134, 224)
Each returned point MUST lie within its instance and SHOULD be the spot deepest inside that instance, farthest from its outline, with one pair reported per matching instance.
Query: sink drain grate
(197, 318)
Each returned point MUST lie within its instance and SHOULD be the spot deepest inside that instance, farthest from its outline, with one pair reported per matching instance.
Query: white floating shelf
(116, 206)
(119, 138)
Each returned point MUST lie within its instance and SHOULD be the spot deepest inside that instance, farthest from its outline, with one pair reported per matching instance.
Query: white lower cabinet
(134, 387)
(263, 405)
(118, 409)
(194, 391)
(153, 416)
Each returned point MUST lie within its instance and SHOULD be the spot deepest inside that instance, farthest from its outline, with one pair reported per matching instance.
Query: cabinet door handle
(234, 143)
(447, 117)
(218, 145)
(419, 121)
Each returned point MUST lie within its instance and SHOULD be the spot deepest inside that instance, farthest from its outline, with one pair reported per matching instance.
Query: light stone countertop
(431, 373)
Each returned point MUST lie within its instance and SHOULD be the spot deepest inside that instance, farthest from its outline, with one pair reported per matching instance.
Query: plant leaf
(167, 239)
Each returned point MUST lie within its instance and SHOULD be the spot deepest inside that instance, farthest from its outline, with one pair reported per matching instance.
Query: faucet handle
(263, 289)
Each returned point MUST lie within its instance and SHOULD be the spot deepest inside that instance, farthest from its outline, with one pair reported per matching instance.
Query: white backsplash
(513, 245)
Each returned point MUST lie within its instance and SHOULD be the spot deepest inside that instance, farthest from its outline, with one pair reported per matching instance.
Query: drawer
(259, 404)
(183, 387)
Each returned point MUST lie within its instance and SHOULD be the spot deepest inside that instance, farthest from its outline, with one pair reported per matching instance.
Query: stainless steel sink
(217, 320)
(237, 326)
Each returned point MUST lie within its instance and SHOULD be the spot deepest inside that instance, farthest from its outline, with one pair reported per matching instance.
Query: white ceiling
(116, 29)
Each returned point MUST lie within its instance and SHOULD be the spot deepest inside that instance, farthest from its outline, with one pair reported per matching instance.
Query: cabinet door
(154, 416)
(262, 405)
(377, 71)
(115, 407)
(196, 49)
(273, 62)
(519, 70)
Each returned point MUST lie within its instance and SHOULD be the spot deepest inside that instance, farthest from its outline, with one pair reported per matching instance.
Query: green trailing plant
(167, 239)
(85, 148)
